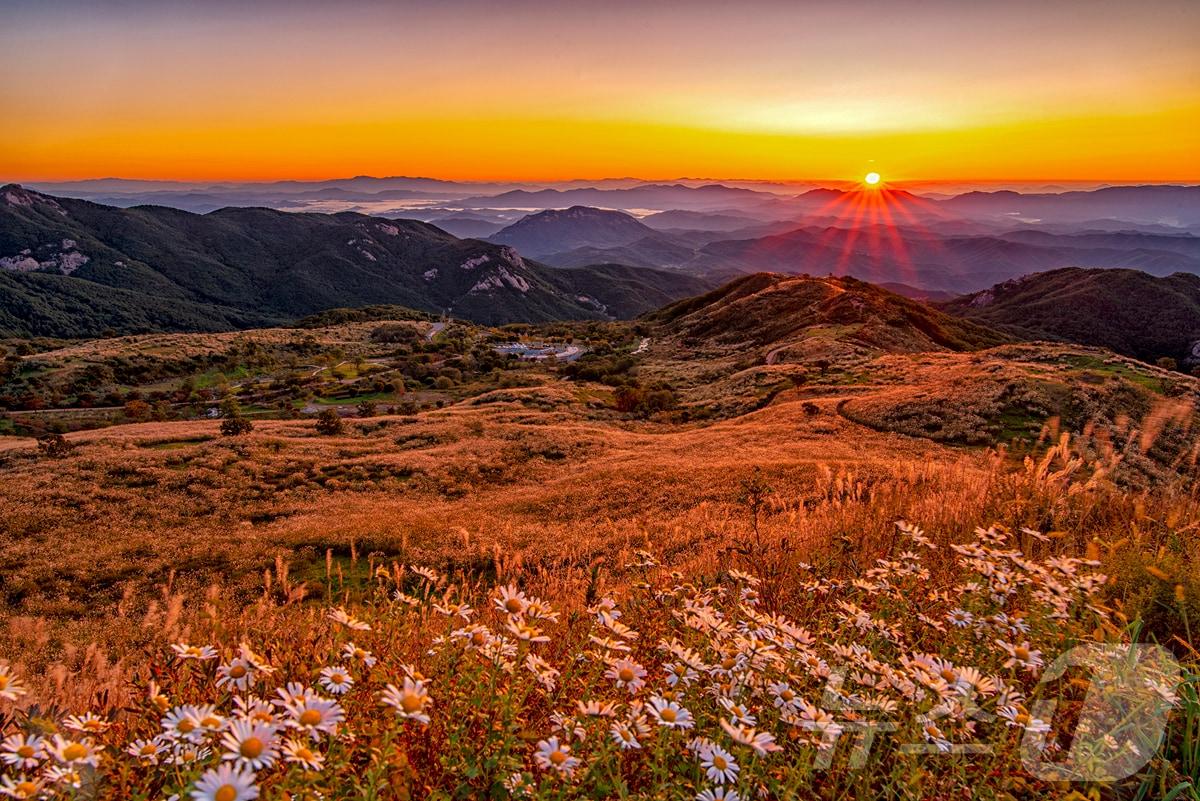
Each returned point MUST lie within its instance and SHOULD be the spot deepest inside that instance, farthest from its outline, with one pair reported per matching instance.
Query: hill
(779, 312)
(1126, 311)
(76, 268)
(555, 230)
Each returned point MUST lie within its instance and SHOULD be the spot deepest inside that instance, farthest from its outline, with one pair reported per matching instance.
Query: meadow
(527, 594)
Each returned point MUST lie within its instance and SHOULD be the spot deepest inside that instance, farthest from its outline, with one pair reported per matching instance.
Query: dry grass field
(146, 535)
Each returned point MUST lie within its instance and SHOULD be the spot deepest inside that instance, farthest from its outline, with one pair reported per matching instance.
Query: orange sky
(463, 89)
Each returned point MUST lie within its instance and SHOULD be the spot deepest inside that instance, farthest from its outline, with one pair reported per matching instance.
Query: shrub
(236, 426)
(329, 423)
(366, 408)
(55, 446)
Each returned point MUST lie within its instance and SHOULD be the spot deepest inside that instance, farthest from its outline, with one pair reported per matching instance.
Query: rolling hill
(555, 230)
(1126, 311)
(782, 316)
(76, 268)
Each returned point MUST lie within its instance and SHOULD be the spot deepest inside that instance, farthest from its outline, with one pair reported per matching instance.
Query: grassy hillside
(1127, 311)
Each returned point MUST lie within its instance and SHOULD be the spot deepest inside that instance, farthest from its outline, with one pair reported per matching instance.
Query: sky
(923, 90)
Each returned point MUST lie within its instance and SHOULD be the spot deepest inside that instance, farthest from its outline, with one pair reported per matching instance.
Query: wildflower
(553, 755)
(21, 787)
(146, 751)
(454, 610)
(352, 651)
(511, 600)
(75, 752)
(610, 643)
(64, 776)
(737, 713)
(784, 696)
(226, 783)
(238, 674)
(183, 651)
(719, 765)
(253, 708)
(250, 745)
(409, 702)
(960, 618)
(23, 751)
(670, 714)
(680, 673)
(426, 573)
(11, 687)
(627, 674)
(524, 630)
(336, 680)
(1019, 716)
(297, 752)
(313, 714)
(405, 598)
(718, 794)
(546, 675)
(1021, 655)
(624, 735)
(340, 615)
(186, 753)
(762, 742)
(157, 699)
(596, 709)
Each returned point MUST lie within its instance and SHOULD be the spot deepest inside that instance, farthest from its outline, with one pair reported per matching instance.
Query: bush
(366, 408)
(329, 423)
(55, 446)
(235, 426)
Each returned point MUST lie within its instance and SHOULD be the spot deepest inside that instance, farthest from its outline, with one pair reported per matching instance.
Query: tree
(1167, 363)
(235, 426)
(329, 423)
(137, 410)
(55, 446)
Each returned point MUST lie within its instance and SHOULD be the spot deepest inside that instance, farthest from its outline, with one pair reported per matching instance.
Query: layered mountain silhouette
(75, 268)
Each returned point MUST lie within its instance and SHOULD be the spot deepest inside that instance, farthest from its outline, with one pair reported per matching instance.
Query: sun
(871, 178)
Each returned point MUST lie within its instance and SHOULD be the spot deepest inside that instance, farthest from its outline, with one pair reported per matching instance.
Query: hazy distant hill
(557, 230)
(1127, 311)
(75, 268)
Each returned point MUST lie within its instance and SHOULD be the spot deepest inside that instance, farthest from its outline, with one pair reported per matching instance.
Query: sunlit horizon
(532, 91)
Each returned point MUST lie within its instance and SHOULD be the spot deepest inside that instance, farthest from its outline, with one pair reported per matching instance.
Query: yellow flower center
(625, 674)
(186, 726)
(787, 695)
(1022, 718)
(949, 675)
(3, 681)
(558, 757)
(360, 653)
(1022, 653)
(25, 751)
(252, 748)
(336, 678)
(310, 717)
(411, 703)
(226, 792)
(668, 715)
(477, 638)
(513, 605)
(719, 762)
(728, 662)
(237, 672)
(26, 790)
(73, 752)
(149, 749)
(211, 722)
(303, 753)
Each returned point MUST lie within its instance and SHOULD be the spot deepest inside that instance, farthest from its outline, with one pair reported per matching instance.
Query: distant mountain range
(1126, 311)
(75, 268)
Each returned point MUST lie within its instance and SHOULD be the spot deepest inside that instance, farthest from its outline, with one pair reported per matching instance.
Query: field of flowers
(887, 685)
(793, 639)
